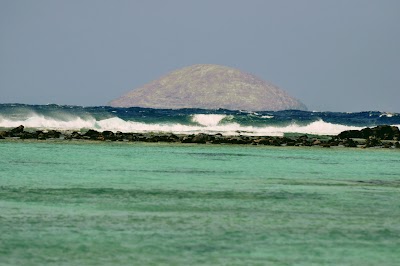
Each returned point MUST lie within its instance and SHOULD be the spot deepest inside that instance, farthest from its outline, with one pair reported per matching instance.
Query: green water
(74, 203)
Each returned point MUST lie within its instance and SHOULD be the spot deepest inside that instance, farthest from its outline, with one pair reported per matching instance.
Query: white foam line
(207, 124)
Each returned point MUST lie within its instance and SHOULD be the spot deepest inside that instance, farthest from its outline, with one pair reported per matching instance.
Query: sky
(340, 55)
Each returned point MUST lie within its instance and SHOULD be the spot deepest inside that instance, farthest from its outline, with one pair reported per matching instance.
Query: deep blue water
(188, 120)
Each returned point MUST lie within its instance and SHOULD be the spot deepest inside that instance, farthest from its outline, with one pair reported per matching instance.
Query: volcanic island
(207, 86)
(217, 87)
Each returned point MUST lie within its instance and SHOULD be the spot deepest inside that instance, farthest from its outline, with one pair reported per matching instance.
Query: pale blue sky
(340, 55)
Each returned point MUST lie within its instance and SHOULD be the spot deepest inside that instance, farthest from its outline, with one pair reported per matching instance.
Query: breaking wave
(187, 121)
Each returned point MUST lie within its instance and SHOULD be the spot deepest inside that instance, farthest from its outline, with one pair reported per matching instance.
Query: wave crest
(206, 123)
(188, 121)
(208, 120)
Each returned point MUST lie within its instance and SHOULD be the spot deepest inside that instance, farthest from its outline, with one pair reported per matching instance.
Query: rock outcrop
(344, 139)
(209, 87)
(384, 132)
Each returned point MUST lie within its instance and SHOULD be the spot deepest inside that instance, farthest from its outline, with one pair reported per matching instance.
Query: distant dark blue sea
(188, 121)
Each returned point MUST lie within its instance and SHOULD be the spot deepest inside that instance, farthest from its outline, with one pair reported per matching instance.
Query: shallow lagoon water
(87, 203)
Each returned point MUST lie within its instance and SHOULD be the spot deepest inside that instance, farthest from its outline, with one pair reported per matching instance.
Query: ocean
(188, 121)
(130, 203)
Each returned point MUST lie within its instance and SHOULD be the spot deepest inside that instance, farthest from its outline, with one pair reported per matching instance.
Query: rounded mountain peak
(208, 86)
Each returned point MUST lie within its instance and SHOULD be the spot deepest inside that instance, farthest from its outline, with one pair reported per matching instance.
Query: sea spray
(208, 119)
(188, 121)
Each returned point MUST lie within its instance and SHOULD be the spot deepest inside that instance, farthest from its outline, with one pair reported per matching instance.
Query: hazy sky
(341, 55)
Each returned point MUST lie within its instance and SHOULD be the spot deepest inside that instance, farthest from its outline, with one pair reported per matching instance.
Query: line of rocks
(380, 136)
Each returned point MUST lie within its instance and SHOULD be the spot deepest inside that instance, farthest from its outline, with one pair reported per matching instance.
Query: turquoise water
(86, 203)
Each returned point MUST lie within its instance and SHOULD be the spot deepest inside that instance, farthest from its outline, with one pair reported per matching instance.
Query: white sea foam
(42, 122)
(386, 114)
(209, 123)
(318, 127)
(117, 124)
(208, 120)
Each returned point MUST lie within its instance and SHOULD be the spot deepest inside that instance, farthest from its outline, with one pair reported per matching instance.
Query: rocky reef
(381, 136)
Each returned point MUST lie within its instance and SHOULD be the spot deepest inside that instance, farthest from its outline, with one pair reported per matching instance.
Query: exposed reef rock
(384, 132)
(379, 136)
(209, 87)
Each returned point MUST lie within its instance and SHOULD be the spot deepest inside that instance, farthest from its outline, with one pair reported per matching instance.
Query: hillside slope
(209, 87)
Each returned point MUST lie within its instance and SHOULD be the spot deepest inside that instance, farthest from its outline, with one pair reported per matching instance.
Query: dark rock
(379, 136)
(17, 130)
(350, 143)
(384, 132)
(350, 134)
(387, 145)
(218, 139)
(285, 141)
(129, 137)
(290, 143)
(153, 138)
(187, 139)
(231, 140)
(41, 135)
(275, 142)
(303, 137)
(303, 141)
(200, 138)
(76, 135)
(119, 136)
(4, 134)
(366, 133)
(245, 140)
(262, 141)
(161, 138)
(373, 142)
(108, 135)
(173, 138)
(92, 134)
(333, 141)
(52, 134)
(240, 140)
(140, 137)
(164, 138)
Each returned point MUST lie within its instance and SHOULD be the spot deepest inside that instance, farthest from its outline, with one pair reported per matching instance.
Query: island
(207, 86)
